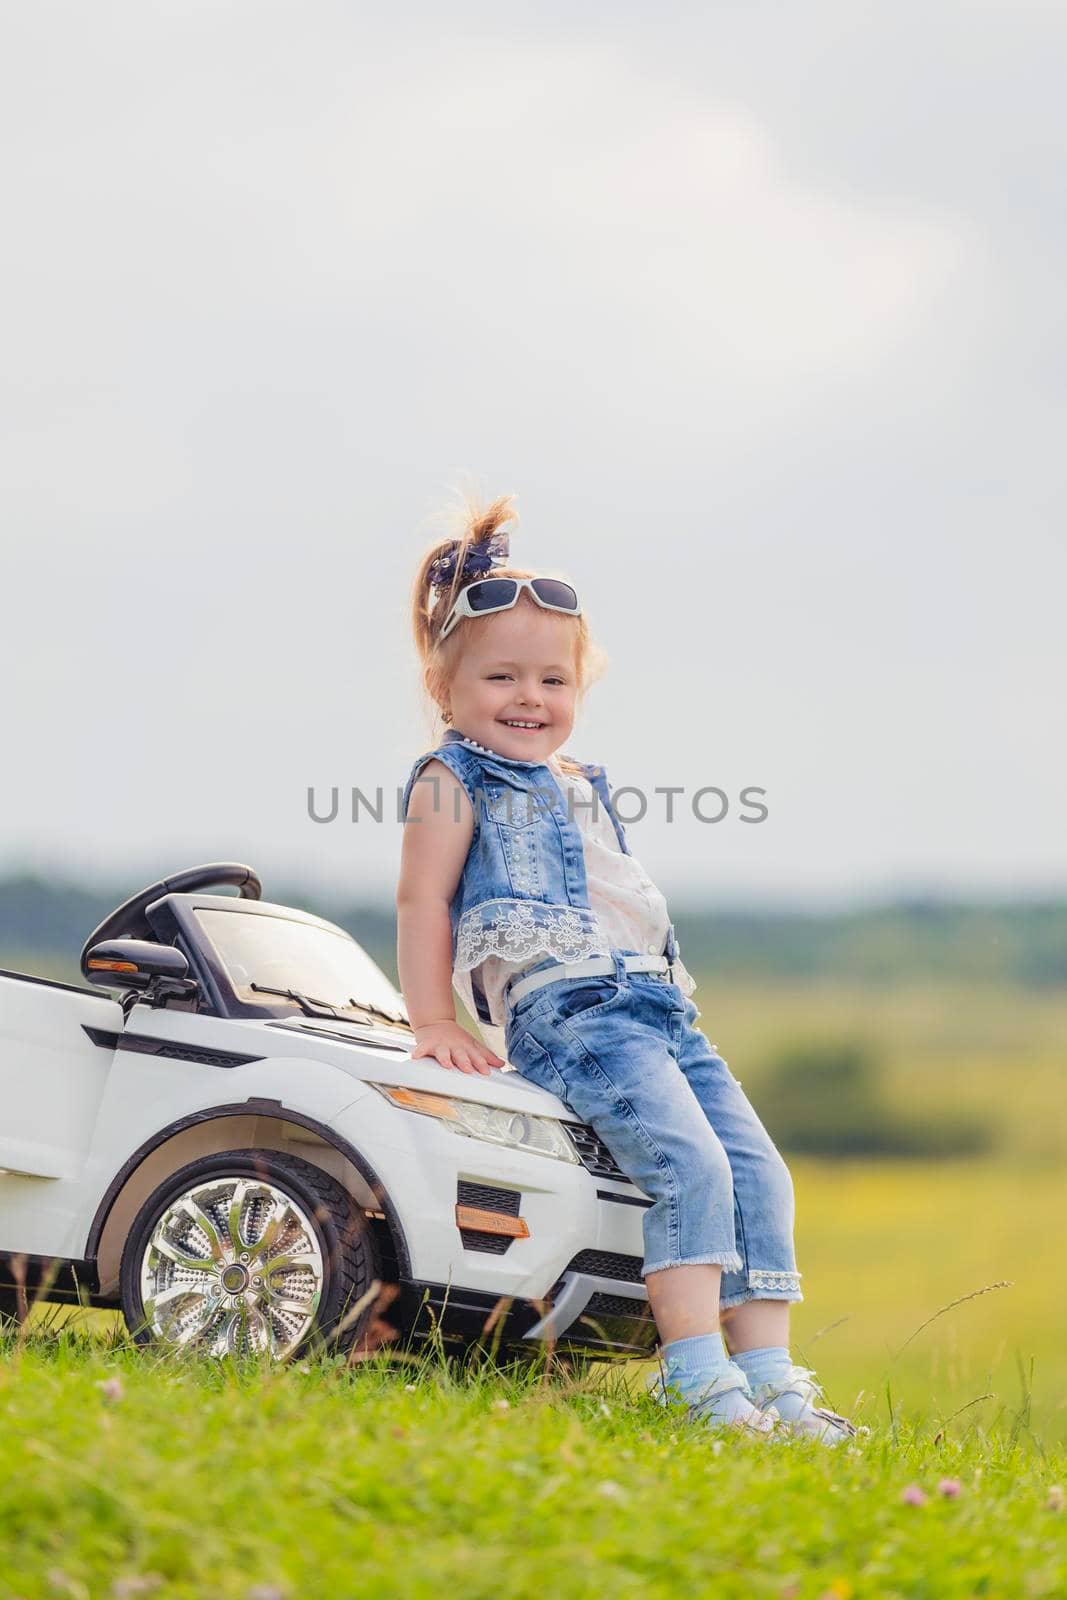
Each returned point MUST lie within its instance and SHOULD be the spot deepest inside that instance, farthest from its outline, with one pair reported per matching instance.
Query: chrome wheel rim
(234, 1266)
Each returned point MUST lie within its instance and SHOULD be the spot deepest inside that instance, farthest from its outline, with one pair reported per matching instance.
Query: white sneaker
(745, 1417)
(792, 1400)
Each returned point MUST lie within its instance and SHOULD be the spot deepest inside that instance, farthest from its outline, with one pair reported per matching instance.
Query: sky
(756, 309)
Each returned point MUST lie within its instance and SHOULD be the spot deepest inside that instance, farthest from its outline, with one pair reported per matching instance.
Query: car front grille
(487, 1198)
(608, 1264)
(617, 1305)
(490, 1244)
(594, 1153)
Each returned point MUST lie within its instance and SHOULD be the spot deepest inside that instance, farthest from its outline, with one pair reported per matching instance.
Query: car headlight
(513, 1129)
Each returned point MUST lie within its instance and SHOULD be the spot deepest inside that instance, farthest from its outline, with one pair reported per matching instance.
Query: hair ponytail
(430, 603)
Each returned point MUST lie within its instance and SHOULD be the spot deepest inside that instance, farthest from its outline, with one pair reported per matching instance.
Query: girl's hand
(454, 1047)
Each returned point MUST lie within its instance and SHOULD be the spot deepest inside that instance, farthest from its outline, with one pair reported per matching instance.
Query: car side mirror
(139, 964)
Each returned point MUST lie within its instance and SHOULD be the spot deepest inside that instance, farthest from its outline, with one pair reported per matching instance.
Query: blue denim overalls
(621, 1049)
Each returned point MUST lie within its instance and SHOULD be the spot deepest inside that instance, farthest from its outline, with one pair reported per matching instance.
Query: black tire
(349, 1257)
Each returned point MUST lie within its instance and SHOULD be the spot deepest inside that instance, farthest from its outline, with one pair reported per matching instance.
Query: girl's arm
(437, 836)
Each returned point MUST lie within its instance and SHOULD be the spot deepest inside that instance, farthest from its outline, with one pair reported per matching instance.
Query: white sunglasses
(486, 595)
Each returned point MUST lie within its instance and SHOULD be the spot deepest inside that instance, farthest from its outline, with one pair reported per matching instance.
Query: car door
(52, 1076)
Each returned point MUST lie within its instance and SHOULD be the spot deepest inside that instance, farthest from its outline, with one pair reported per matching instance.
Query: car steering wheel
(128, 921)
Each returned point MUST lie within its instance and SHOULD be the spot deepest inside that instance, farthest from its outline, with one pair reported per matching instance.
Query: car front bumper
(598, 1316)
(574, 1279)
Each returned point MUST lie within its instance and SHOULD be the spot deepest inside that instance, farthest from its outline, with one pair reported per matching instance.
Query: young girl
(562, 947)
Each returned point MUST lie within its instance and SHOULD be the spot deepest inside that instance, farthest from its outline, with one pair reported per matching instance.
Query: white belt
(593, 966)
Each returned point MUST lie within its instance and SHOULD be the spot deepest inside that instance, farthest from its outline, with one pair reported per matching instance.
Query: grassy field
(933, 1312)
(124, 1475)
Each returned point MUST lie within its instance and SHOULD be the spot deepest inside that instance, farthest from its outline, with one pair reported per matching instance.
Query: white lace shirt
(630, 909)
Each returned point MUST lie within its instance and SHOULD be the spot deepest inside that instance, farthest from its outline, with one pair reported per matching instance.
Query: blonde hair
(439, 658)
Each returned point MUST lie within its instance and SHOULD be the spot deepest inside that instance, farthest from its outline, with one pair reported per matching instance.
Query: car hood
(382, 1055)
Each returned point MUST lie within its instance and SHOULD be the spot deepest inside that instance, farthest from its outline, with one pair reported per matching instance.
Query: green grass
(200, 1479)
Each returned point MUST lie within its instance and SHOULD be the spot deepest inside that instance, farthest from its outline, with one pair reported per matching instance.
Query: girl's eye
(493, 676)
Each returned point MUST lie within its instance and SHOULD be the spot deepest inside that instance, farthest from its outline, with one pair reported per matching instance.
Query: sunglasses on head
(486, 595)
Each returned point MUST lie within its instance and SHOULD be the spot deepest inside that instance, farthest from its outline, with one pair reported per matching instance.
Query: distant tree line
(44, 922)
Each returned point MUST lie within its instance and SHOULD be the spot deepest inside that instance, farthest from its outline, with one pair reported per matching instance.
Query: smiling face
(516, 666)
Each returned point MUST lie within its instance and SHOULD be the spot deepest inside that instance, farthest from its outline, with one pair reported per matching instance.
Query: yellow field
(883, 1245)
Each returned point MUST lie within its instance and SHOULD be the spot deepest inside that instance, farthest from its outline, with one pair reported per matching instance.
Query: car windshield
(279, 953)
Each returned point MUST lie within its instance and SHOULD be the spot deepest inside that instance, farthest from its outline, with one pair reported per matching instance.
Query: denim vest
(523, 890)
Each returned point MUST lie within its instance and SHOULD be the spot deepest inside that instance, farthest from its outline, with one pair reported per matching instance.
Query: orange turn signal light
(479, 1221)
(100, 965)
(437, 1105)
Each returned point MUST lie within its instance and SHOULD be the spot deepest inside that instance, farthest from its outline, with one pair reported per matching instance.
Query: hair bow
(480, 559)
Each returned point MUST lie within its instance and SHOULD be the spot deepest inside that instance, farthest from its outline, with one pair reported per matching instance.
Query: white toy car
(237, 1144)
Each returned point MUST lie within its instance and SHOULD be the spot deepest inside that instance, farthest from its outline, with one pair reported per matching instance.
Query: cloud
(567, 186)
(760, 278)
